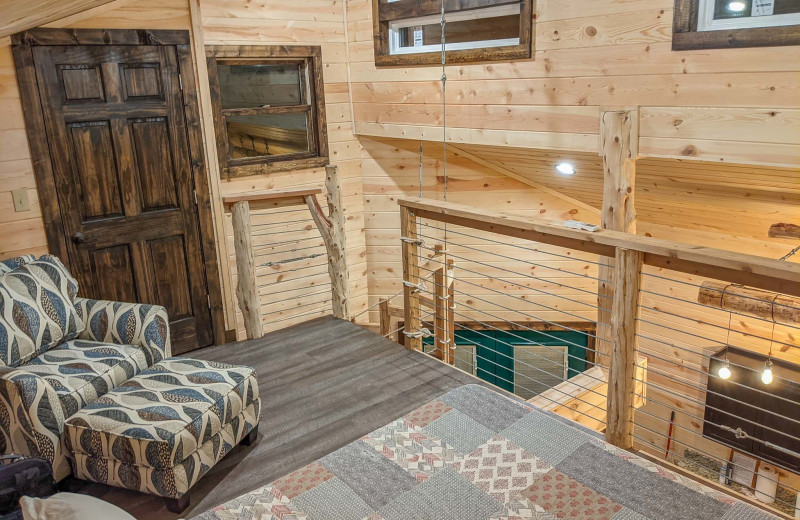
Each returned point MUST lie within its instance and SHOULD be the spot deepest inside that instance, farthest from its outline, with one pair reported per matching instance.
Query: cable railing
(653, 358)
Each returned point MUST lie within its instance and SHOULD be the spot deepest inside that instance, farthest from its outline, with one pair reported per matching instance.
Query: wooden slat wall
(315, 22)
(733, 105)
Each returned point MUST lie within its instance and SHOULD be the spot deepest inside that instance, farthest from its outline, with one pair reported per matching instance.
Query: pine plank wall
(720, 136)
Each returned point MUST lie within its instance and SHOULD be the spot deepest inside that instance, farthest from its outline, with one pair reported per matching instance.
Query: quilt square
(372, 476)
(411, 449)
(545, 437)
(494, 411)
(501, 468)
(564, 497)
(261, 503)
(332, 499)
(301, 480)
(459, 430)
(426, 414)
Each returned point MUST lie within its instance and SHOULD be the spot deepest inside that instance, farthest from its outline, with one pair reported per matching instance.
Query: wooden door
(114, 119)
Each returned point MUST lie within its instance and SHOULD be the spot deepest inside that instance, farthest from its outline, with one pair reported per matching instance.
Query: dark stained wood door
(118, 143)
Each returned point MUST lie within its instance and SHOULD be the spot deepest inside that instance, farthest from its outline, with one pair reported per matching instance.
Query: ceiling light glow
(737, 7)
(565, 168)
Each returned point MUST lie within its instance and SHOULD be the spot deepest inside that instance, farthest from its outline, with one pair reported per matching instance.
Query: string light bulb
(725, 370)
(766, 375)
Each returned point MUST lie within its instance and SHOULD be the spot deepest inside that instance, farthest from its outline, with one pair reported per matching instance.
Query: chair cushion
(163, 415)
(37, 310)
(81, 371)
(12, 263)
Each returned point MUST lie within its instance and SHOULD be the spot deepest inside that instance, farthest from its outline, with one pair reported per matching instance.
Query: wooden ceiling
(737, 200)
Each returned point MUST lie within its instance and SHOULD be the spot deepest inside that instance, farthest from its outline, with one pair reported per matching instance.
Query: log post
(246, 289)
(451, 310)
(332, 229)
(766, 305)
(441, 305)
(411, 314)
(619, 148)
(385, 318)
(624, 326)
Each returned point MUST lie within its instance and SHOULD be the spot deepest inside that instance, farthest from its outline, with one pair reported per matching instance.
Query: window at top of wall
(743, 14)
(716, 24)
(269, 111)
(409, 32)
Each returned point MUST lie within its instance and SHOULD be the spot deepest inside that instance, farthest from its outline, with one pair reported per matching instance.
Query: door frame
(22, 49)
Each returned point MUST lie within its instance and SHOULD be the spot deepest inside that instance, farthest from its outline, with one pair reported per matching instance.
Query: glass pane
(267, 134)
(461, 31)
(249, 86)
(728, 9)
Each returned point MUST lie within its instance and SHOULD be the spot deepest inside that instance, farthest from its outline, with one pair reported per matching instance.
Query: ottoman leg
(250, 438)
(177, 505)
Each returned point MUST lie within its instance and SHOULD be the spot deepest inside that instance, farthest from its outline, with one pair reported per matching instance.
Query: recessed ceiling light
(565, 168)
(737, 7)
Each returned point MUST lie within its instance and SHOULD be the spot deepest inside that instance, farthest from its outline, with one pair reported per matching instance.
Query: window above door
(409, 32)
(269, 108)
(709, 24)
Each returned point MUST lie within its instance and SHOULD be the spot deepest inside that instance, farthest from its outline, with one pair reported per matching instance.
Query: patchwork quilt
(474, 454)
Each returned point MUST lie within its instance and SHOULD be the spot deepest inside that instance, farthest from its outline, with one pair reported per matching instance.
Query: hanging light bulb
(725, 370)
(766, 375)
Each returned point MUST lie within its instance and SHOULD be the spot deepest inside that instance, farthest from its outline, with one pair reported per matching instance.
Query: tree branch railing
(331, 228)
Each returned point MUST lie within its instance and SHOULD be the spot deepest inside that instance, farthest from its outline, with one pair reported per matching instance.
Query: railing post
(246, 289)
(624, 327)
(619, 131)
(408, 234)
(385, 318)
(441, 304)
(337, 249)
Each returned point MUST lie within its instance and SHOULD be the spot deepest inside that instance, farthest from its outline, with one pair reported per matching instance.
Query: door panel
(118, 141)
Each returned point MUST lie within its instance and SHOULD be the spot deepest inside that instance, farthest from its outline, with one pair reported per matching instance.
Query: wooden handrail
(751, 270)
(265, 195)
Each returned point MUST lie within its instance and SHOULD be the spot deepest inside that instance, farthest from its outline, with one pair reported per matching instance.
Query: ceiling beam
(20, 15)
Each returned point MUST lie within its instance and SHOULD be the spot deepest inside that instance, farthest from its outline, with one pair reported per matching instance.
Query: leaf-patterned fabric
(141, 325)
(163, 429)
(81, 371)
(36, 309)
(13, 263)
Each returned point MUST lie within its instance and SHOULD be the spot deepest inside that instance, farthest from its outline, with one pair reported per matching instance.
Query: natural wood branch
(408, 231)
(763, 304)
(619, 134)
(332, 229)
(783, 230)
(246, 288)
(622, 372)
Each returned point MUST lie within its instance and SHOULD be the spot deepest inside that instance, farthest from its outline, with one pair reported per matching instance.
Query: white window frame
(706, 21)
(475, 14)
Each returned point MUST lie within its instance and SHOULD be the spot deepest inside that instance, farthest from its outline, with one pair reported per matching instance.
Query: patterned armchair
(59, 353)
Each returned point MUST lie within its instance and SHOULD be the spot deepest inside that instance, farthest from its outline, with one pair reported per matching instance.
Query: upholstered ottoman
(163, 429)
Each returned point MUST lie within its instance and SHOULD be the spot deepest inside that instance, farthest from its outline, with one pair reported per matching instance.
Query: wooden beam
(755, 271)
(783, 230)
(21, 15)
(755, 302)
(624, 324)
(619, 138)
(442, 339)
(246, 289)
(384, 318)
(332, 229)
(271, 195)
(408, 233)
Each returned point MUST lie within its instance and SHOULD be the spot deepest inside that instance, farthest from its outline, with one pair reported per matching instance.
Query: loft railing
(282, 254)
(513, 299)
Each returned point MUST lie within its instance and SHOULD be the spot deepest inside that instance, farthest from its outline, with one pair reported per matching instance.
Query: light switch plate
(21, 200)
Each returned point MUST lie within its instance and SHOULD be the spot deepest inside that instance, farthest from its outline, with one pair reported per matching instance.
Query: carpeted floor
(474, 454)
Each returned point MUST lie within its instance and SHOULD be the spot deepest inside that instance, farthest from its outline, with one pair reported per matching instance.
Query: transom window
(409, 32)
(742, 14)
(269, 111)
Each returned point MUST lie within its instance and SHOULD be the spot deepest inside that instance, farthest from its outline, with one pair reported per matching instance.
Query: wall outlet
(21, 200)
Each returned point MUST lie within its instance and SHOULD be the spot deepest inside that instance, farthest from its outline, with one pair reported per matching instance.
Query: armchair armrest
(31, 418)
(145, 326)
